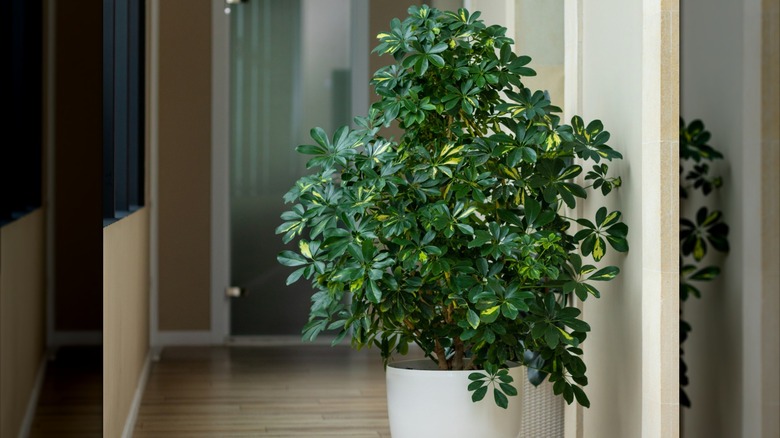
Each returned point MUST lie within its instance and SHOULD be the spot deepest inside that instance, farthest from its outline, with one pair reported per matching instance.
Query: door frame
(220, 171)
(220, 232)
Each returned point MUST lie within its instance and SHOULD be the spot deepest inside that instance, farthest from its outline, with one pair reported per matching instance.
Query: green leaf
(310, 149)
(503, 376)
(500, 398)
(304, 248)
(289, 258)
(477, 376)
(472, 318)
(292, 278)
(438, 48)
(532, 209)
(479, 394)
(619, 244)
(609, 219)
(582, 399)
(373, 292)
(568, 395)
(565, 335)
(340, 337)
(538, 330)
(319, 135)
(490, 315)
(587, 244)
(476, 384)
(570, 172)
(551, 336)
(528, 155)
(578, 325)
(481, 237)
(605, 274)
(598, 249)
(509, 311)
(508, 389)
(558, 386)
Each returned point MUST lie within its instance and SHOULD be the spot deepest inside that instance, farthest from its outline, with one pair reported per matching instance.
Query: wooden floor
(303, 391)
(71, 400)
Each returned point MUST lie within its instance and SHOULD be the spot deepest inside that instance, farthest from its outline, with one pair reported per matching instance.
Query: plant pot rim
(424, 365)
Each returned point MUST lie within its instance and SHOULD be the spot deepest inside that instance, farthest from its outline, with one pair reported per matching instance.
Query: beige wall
(184, 163)
(125, 315)
(77, 165)
(22, 317)
(126, 309)
(632, 366)
(735, 324)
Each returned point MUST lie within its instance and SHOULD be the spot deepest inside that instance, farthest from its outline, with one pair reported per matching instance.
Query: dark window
(20, 149)
(123, 108)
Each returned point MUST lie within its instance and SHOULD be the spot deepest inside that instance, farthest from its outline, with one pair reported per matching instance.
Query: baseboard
(195, 337)
(295, 340)
(135, 406)
(278, 341)
(32, 403)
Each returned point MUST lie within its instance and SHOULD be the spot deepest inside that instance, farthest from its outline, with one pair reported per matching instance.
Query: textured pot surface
(423, 401)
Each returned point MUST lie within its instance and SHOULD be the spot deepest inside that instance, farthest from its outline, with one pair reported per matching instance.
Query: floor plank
(299, 391)
(70, 402)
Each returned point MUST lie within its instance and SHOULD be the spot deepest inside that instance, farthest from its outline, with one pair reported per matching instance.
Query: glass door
(290, 71)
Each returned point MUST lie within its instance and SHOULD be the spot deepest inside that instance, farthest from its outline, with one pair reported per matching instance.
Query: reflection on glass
(290, 71)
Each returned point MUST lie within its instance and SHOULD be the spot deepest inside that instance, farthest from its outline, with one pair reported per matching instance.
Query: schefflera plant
(455, 236)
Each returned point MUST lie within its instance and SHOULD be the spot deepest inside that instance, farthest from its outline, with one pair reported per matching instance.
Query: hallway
(299, 391)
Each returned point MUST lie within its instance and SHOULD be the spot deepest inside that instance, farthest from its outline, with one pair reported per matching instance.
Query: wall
(126, 311)
(125, 316)
(730, 54)
(614, 349)
(539, 33)
(630, 83)
(184, 176)
(22, 317)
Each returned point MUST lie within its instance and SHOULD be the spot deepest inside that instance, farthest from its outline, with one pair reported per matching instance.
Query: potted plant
(458, 236)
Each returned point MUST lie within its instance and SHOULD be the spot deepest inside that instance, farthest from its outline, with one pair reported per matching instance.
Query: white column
(660, 216)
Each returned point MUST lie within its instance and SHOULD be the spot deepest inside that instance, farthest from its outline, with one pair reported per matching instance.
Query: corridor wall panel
(125, 316)
(22, 316)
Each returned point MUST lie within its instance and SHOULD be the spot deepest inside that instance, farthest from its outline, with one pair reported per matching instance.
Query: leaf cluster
(455, 236)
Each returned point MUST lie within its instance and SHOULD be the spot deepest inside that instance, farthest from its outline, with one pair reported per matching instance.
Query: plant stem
(439, 350)
(457, 360)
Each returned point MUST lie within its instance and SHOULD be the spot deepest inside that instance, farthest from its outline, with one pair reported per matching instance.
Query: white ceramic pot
(424, 402)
